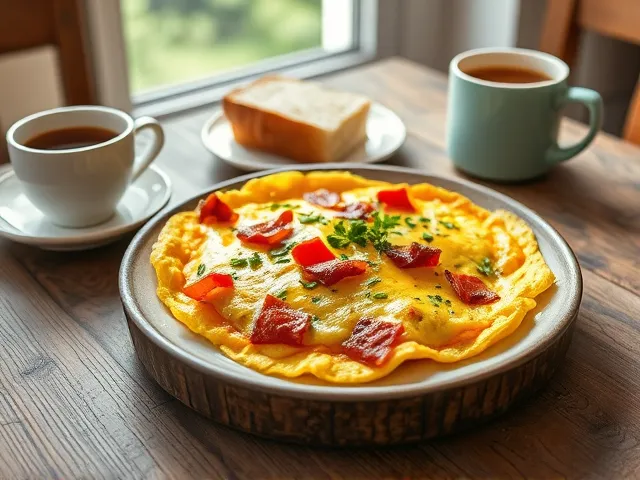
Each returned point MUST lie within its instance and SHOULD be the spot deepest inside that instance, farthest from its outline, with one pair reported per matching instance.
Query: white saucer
(385, 135)
(22, 222)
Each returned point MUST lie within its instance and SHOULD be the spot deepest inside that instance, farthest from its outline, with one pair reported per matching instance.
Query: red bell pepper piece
(322, 198)
(397, 199)
(372, 341)
(414, 255)
(214, 210)
(470, 289)
(201, 288)
(311, 252)
(355, 211)
(268, 233)
(277, 322)
(332, 271)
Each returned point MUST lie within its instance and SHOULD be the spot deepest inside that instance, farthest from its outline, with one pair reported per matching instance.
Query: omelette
(344, 278)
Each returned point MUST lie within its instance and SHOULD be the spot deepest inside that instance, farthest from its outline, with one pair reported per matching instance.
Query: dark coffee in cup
(70, 138)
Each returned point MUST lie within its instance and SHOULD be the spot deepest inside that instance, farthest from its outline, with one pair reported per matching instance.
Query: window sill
(212, 95)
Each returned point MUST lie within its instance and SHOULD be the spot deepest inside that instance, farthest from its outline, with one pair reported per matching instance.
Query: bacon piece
(398, 199)
(268, 233)
(214, 210)
(414, 255)
(322, 198)
(311, 252)
(277, 322)
(332, 271)
(201, 288)
(372, 340)
(470, 289)
(355, 211)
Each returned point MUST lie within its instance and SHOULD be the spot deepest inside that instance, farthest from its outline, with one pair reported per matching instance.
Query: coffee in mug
(69, 138)
(508, 74)
(504, 111)
(75, 163)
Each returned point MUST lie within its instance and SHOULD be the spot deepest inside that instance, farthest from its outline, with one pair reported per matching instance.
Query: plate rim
(205, 132)
(338, 392)
(92, 238)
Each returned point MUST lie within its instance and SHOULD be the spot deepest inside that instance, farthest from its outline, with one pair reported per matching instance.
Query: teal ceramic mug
(509, 131)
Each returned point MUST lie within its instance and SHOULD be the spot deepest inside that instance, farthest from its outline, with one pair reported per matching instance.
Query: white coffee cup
(79, 187)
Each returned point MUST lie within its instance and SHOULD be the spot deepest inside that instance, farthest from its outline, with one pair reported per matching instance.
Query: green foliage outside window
(173, 41)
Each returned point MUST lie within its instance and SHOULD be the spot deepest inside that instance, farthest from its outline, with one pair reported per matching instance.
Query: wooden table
(74, 400)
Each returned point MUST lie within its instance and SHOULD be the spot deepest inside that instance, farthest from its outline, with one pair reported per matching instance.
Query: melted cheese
(445, 330)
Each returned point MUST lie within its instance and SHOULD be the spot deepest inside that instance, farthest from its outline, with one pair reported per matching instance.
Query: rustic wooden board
(438, 404)
(330, 423)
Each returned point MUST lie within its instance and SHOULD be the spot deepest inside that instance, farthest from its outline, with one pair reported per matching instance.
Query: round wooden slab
(420, 400)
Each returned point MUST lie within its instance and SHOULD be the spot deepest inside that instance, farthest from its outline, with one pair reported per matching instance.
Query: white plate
(22, 222)
(385, 135)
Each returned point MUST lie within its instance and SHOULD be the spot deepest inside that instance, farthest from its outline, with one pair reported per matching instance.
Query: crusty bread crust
(276, 133)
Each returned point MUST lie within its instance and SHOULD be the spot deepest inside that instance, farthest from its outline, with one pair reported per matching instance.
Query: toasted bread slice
(304, 121)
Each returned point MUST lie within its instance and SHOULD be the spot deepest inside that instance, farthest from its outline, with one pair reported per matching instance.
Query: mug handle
(150, 153)
(593, 101)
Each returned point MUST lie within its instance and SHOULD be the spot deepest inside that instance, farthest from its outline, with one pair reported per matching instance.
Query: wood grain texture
(328, 423)
(26, 24)
(566, 19)
(76, 402)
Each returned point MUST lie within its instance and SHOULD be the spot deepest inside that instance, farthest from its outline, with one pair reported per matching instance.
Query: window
(171, 42)
(161, 55)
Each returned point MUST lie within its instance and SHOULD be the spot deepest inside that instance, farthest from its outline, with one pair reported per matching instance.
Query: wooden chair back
(26, 24)
(566, 19)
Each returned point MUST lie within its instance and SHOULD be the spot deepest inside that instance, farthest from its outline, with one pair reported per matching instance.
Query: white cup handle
(150, 153)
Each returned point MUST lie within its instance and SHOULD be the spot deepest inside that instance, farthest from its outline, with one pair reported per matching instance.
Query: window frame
(375, 31)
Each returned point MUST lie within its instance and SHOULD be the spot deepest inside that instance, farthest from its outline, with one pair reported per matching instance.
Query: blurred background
(172, 41)
(166, 56)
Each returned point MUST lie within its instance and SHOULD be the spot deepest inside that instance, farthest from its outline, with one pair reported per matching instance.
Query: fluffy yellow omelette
(498, 247)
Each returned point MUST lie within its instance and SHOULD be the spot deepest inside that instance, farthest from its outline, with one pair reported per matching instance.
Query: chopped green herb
(255, 261)
(342, 236)
(334, 290)
(234, 275)
(306, 218)
(380, 295)
(360, 233)
(449, 225)
(283, 260)
(276, 206)
(395, 232)
(315, 318)
(435, 300)
(427, 236)
(457, 265)
(425, 220)
(378, 232)
(316, 300)
(309, 285)
(201, 269)
(451, 312)
(438, 285)
(485, 267)
(447, 302)
(371, 281)
(282, 251)
(372, 264)
(238, 262)
(410, 223)
(367, 294)
(343, 257)
(282, 295)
